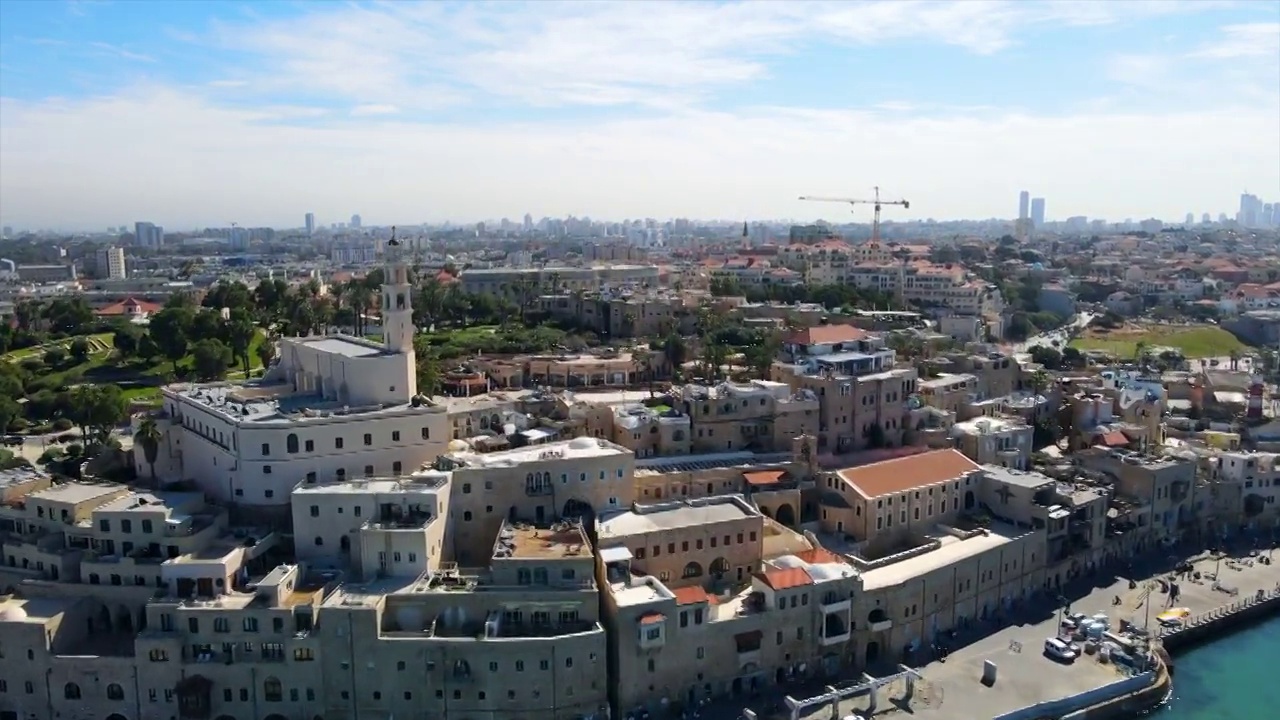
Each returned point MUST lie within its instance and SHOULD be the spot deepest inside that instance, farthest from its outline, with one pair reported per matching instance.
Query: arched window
(115, 692)
(291, 443)
(692, 570)
(71, 691)
(272, 691)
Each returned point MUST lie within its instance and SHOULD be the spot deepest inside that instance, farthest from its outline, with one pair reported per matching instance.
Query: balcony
(879, 621)
(836, 603)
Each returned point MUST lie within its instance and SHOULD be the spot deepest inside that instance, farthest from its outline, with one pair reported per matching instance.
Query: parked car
(1058, 649)
(13, 440)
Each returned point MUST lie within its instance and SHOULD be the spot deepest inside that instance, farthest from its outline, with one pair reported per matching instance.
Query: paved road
(1062, 335)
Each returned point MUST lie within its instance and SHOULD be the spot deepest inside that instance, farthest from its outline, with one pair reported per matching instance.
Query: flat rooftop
(989, 425)
(645, 519)
(257, 402)
(421, 481)
(576, 449)
(1018, 478)
(952, 551)
(33, 610)
(344, 346)
(21, 476)
(524, 542)
(76, 492)
(707, 461)
(145, 501)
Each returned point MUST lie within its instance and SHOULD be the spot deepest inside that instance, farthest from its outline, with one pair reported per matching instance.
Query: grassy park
(1193, 341)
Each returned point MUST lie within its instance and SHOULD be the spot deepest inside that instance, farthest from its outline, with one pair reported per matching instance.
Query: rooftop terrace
(522, 541)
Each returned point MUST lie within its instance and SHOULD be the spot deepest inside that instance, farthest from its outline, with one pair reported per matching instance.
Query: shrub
(17, 425)
(62, 424)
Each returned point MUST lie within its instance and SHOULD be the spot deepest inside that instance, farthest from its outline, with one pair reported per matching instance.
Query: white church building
(332, 407)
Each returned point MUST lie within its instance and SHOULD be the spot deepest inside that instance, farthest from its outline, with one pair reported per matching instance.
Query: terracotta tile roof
(692, 596)
(650, 618)
(764, 477)
(902, 474)
(825, 334)
(818, 556)
(130, 306)
(785, 579)
(1115, 439)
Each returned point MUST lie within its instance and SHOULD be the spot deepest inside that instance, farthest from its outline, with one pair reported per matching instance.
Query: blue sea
(1234, 678)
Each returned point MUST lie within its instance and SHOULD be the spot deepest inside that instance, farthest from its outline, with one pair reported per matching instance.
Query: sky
(193, 114)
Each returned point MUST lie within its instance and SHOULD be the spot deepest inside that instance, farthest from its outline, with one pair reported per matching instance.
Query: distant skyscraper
(148, 234)
(311, 223)
(7, 232)
(238, 238)
(355, 221)
(1037, 212)
(1206, 218)
(528, 223)
(1024, 201)
(1191, 219)
(111, 263)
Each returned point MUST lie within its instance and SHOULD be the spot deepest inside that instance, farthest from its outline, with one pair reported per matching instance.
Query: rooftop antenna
(393, 242)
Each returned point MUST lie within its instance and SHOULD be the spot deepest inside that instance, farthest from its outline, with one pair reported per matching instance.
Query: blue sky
(190, 113)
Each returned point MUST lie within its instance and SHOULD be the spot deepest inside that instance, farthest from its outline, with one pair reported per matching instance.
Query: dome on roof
(13, 613)
(458, 446)
(582, 443)
(789, 561)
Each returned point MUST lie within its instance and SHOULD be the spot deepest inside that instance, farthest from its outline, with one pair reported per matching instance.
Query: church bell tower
(397, 301)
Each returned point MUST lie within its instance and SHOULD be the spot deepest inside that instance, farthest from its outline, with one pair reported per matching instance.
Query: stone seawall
(1213, 624)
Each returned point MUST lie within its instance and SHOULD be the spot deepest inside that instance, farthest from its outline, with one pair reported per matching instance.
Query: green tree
(55, 356)
(147, 348)
(210, 359)
(125, 341)
(96, 409)
(10, 410)
(79, 350)
(428, 374)
(69, 316)
(169, 330)
(266, 352)
(238, 333)
(148, 438)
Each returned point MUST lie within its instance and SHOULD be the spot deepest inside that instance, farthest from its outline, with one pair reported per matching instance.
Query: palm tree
(148, 437)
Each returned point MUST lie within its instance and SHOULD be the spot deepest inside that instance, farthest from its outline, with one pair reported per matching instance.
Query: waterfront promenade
(951, 690)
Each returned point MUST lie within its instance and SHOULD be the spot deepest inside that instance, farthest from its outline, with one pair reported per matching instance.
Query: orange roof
(764, 477)
(785, 579)
(902, 474)
(818, 556)
(824, 334)
(130, 306)
(692, 596)
(1115, 439)
(652, 617)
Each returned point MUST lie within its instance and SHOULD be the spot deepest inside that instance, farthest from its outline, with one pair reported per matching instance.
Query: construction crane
(877, 202)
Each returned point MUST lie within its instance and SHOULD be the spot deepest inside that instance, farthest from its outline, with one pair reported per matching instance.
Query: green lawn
(98, 344)
(1196, 342)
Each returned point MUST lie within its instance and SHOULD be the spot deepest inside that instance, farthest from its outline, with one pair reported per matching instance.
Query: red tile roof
(692, 596)
(826, 334)
(1115, 439)
(818, 556)
(786, 578)
(764, 477)
(130, 306)
(650, 618)
(902, 474)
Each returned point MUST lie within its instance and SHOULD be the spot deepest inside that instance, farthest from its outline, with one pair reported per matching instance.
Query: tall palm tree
(148, 438)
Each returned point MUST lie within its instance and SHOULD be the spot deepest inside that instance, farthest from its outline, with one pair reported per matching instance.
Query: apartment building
(626, 314)
(862, 396)
(1245, 488)
(1161, 488)
(511, 283)
(1073, 516)
(760, 415)
(1006, 442)
(649, 432)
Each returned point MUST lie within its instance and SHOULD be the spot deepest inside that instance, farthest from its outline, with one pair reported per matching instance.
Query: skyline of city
(670, 110)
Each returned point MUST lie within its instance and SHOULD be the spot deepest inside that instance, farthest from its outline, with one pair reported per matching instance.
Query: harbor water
(1233, 678)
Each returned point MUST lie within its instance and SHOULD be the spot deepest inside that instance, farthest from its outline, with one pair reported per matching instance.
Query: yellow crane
(877, 202)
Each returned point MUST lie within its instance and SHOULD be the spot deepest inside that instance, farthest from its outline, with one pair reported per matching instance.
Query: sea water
(1235, 678)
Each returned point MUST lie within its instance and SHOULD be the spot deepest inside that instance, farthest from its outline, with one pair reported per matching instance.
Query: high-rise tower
(1024, 205)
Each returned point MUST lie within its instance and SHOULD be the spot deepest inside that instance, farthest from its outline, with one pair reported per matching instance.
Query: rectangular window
(395, 436)
(311, 446)
(337, 443)
(266, 449)
(426, 433)
(368, 439)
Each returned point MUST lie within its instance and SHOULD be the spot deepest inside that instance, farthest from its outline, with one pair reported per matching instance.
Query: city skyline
(463, 112)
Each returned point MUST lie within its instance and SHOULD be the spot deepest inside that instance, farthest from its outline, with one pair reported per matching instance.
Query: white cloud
(367, 110)
(1250, 40)
(661, 54)
(64, 160)
(121, 52)
(228, 83)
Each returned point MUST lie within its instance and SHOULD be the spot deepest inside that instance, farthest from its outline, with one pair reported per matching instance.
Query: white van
(1058, 649)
